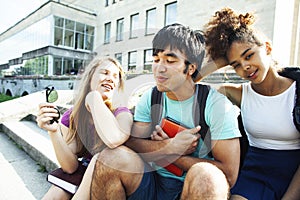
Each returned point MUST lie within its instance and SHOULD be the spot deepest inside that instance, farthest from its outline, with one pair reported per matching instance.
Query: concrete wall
(21, 86)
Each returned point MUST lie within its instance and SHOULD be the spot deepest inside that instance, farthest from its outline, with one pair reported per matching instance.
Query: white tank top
(268, 120)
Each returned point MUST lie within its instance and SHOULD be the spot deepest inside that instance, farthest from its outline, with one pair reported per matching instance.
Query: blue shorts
(156, 187)
(266, 174)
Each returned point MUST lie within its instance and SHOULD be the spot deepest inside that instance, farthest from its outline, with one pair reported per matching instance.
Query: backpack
(199, 104)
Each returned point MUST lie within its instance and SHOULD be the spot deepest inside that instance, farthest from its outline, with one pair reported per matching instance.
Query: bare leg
(205, 181)
(117, 174)
(237, 197)
(56, 193)
(83, 192)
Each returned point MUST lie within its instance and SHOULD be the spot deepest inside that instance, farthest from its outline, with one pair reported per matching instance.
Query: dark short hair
(184, 39)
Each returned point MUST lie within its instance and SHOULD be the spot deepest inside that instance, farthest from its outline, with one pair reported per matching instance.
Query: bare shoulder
(232, 91)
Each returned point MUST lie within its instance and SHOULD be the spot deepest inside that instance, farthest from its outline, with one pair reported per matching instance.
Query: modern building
(61, 36)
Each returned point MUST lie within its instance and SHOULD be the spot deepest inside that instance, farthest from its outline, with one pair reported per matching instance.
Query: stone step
(33, 140)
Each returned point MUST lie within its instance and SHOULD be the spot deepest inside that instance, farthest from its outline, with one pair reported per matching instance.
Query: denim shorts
(156, 187)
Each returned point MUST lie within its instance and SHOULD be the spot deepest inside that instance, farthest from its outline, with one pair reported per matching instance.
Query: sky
(13, 11)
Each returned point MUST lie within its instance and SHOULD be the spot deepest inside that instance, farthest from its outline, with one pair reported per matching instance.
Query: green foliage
(4, 97)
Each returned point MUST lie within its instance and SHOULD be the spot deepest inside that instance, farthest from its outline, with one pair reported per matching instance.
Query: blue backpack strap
(294, 74)
(198, 108)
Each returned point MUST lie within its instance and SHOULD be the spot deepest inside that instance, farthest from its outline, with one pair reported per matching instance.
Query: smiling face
(250, 61)
(105, 79)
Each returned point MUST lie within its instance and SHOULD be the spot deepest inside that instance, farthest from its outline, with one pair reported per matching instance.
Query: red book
(68, 182)
(171, 127)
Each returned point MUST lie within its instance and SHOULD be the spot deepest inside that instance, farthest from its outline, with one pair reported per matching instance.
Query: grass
(4, 97)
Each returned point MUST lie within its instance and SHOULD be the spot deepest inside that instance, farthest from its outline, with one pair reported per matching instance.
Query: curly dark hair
(226, 27)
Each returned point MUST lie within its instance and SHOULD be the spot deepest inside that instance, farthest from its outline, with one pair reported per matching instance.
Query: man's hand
(186, 141)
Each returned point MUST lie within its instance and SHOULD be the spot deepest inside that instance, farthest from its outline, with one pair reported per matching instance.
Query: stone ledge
(35, 145)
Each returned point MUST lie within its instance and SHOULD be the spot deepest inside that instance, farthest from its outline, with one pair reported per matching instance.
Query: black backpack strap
(199, 111)
(294, 73)
(156, 107)
(198, 108)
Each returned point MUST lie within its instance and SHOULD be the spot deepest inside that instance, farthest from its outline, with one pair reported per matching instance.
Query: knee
(207, 181)
(120, 159)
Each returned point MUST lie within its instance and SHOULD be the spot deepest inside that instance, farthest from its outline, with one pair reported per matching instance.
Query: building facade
(60, 37)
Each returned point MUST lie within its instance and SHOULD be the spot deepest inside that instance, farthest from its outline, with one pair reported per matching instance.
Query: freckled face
(105, 79)
(249, 61)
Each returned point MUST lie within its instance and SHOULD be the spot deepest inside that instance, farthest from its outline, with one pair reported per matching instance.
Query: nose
(159, 66)
(246, 65)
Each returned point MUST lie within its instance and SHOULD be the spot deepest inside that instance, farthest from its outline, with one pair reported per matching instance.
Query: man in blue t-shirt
(178, 53)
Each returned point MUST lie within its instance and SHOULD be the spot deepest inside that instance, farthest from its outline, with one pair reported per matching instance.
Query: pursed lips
(161, 79)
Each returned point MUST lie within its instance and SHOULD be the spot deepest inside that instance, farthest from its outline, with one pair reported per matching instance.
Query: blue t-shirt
(220, 115)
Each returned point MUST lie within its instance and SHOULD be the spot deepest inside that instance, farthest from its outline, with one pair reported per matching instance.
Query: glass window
(148, 59)
(79, 27)
(57, 66)
(132, 60)
(150, 21)
(170, 13)
(134, 20)
(58, 36)
(59, 21)
(73, 34)
(118, 56)
(107, 32)
(69, 37)
(120, 29)
(69, 24)
(106, 2)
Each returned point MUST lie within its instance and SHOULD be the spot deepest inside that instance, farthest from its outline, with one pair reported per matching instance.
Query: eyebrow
(241, 55)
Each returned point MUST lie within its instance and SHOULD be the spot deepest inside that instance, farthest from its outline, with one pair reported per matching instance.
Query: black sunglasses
(52, 96)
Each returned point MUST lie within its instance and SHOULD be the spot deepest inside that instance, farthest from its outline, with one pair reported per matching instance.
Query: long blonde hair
(80, 118)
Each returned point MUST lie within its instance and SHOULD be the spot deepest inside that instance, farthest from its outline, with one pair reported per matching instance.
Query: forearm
(293, 191)
(150, 150)
(106, 124)
(66, 158)
(209, 67)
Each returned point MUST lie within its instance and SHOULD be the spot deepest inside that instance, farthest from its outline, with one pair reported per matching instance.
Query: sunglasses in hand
(52, 96)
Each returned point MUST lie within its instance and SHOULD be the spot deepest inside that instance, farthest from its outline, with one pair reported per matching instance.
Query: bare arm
(293, 191)
(226, 157)
(209, 67)
(233, 92)
(65, 153)
(112, 130)
(154, 150)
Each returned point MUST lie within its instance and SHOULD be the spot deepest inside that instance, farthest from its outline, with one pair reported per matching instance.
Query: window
(107, 32)
(73, 34)
(120, 29)
(170, 13)
(106, 3)
(132, 61)
(134, 20)
(118, 56)
(148, 59)
(150, 21)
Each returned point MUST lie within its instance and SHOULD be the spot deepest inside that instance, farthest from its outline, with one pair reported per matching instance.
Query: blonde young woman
(266, 101)
(92, 124)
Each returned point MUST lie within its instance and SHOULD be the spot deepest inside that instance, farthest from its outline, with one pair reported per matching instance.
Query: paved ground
(20, 176)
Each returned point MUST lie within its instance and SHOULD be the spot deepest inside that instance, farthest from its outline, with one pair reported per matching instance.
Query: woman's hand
(91, 98)
(46, 113)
